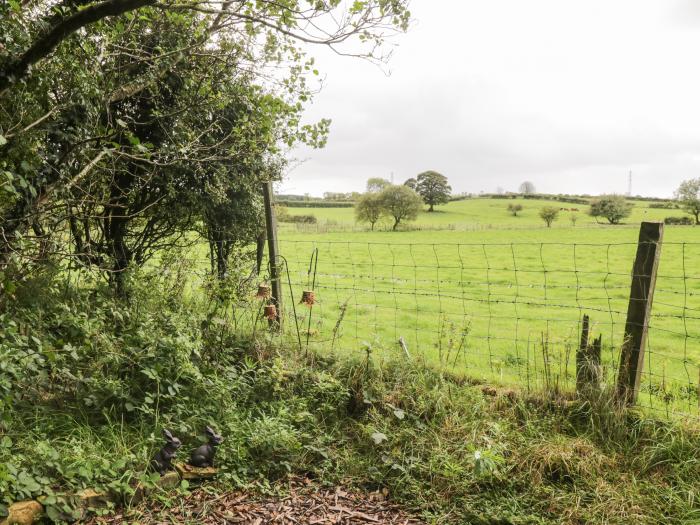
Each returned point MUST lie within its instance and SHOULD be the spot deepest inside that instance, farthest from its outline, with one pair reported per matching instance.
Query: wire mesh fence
(509, 313)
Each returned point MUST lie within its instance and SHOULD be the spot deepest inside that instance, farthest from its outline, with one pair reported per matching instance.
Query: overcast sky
(570, 94)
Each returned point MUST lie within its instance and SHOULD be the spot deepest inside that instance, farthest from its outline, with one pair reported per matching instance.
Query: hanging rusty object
(264, 291)
(308, 297)
(270, 312)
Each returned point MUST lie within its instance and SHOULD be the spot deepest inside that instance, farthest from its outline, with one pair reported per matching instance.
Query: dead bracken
(303, 503)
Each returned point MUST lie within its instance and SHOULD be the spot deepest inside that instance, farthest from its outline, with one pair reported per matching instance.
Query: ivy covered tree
(127, 124)
(434, 189)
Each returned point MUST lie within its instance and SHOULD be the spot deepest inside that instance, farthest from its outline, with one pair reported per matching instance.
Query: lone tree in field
(514, 209)
(433, 187)
(527, 187)
(549, 214)
(401, 203)
(377, 184)
(612, 207)
(688, 195)
(368, 208)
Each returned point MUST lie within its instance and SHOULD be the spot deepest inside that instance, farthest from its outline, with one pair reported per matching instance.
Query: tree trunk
(431, 207)
(221, 258)
(120, 253)
(116, 223)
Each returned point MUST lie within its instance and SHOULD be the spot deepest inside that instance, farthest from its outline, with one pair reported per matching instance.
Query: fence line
(508, 312)
(502, 312)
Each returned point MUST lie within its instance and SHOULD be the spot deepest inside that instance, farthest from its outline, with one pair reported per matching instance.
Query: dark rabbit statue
(204, 456)
(162, 462)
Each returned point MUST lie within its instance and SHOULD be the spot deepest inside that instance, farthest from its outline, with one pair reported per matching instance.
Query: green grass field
(490, 213)
(500, 298)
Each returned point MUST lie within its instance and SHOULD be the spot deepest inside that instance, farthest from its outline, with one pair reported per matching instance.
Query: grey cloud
(573, 108)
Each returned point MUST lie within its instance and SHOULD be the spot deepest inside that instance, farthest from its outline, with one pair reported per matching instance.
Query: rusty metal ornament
(308, 298)
(264, 291)
(270, 312)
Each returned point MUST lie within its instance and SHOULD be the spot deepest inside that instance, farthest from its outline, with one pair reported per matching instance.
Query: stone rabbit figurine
(162, 462)
(204, 456)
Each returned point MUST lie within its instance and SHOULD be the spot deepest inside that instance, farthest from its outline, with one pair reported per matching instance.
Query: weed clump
(89, 381)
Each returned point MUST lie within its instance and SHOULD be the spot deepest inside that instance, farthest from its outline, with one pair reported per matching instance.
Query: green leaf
(400, 414)
(28, 483)
(379, 438)
(3, 140)
(53, 514)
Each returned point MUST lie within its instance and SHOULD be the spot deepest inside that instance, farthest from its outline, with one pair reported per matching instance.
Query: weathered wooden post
(581, 356)
(588, 360)
(644, 272)
(273, 249)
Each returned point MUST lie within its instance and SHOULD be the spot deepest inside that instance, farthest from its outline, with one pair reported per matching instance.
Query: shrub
(300, 219)
(549, 214)
(613, 207)
(664, 205)
(514, 209)
(685, 221)
(281, 212)
(314, 204)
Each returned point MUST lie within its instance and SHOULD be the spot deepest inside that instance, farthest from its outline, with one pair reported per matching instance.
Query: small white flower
(477, 455)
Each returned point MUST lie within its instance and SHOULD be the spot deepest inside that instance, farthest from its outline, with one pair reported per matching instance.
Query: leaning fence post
(273, 250)
(639, 310)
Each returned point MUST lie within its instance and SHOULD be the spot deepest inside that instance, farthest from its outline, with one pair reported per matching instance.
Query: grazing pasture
(483, 213)
(505, 303)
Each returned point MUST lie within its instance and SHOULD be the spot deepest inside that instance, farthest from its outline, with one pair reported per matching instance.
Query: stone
(23, 513)
(167, 481)
(91, 499)
(189, 472)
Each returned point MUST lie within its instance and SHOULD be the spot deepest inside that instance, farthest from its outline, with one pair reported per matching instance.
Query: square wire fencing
(508, 313)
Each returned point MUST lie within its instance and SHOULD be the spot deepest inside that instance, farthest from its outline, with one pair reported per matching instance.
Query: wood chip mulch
(303, 503)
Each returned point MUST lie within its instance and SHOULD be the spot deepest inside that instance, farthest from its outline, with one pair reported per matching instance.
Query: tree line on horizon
(404, 202)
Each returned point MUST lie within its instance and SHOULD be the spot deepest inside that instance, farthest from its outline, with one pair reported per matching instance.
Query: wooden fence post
(646, 265)
(273, 249)
(588, 360)
(581, 355)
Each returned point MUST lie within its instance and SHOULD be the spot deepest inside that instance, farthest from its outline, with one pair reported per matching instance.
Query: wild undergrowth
(88, 382)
